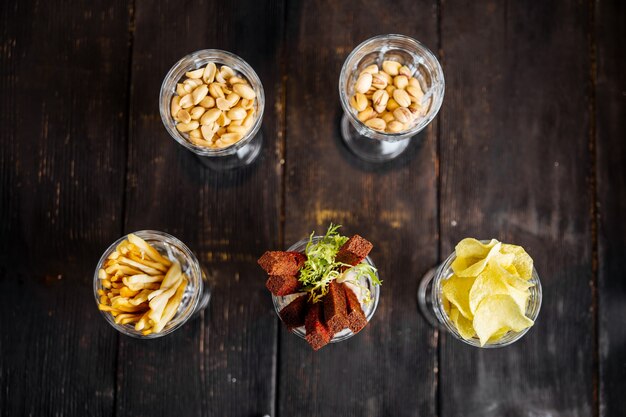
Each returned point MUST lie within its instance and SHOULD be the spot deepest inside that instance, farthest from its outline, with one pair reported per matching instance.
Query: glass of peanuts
(391, 87)
(130, 284)
(212, 103)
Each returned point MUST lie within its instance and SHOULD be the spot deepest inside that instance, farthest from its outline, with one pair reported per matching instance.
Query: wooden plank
(390, 367)
(610, 119)
(514, 166)
(223, 363)
(63, 78)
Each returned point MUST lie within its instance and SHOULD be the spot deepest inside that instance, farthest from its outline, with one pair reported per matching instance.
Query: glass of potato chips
(148, 283)
(486, 293)
(391, 87)
(244, 139)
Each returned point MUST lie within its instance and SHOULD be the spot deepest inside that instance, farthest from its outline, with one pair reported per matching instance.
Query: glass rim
(211, 54)
(436, 104)
(442, 273)
(181, 317)
(347, 333)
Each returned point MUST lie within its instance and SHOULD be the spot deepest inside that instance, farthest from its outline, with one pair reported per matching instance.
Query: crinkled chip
(497, 312)
(463, 325)
(473, 248)
(523, 262)
(456, 290)
(491, 282)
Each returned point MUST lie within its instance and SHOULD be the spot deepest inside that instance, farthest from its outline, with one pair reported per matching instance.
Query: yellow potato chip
(463, 325)
(446, 304)
(498, 335)
(491, 282)
(523, 262)
(497, 312)
(456, 290)
(473, 248)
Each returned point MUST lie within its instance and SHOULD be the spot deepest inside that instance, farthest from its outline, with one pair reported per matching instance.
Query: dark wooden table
(528, 147)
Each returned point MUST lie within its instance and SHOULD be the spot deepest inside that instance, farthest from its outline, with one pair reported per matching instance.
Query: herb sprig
(321, 268)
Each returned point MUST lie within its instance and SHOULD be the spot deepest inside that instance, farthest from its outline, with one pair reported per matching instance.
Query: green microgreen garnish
(321, 268)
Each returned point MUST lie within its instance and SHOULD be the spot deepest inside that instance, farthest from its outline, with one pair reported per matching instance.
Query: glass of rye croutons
(391, 87)
(325, 289)
(148, 283)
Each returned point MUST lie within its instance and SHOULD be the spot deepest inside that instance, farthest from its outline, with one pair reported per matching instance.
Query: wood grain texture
(514, 166)
(222, 364)
(610, 105)
(389, 368)
(63, 81)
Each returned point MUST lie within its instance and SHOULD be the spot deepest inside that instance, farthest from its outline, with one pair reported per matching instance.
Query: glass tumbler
(372, 145)
(239, 154)
(430, 301)
(197, 293)
(368, 310)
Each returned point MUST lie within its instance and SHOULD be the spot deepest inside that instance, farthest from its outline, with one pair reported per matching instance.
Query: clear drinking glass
(197, 293)
(430, 301)
(372, 145)
(368, 310)
(241, 153)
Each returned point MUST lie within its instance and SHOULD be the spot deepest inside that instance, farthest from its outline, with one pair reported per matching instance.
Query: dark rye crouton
(317, 334)
(293, 315)
(354, 250)
(335, 310)
(356, 317)
(282, 284)
(282, 263)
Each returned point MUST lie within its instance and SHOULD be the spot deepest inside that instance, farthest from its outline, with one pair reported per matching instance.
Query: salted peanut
(183, 116)
(208, 132)
(195, 134)
(186, 101)
(401, 81)
(387, 117)
(372, 69)
(210, 116)
(193, 82)
(215, 90)
(209, 73)
(232, 128)
(376, 124)
(220, 78)
(244, 91)
(199, 93)
(363, 83)
(391, 67)
(392, 105)
(236, 80)
(358, 102)
(395, 126)
(249, 120)
(229, 138)
(403, 115)
(226, 72)
(223, 104)
(180, 89)
(233, 99)
(175, 105)
(207, 102)
(187, 88)
(366, 114)
(401, 97)
(195, 73)
(237, 113)
(417, 110)
(197, 112)
(235, 123)
(404, 70)
(199, 142)
(415, 93)
(379, 81)
(246, 104)
(223, 120)
(221, 130)
(187, 127)
(380, 99)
